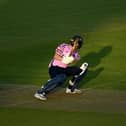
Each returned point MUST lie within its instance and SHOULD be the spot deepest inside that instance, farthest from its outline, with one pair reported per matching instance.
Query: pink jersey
(64, 50)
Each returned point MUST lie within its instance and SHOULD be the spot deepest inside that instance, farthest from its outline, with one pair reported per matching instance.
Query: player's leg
(74, 83)
(57, 78)
(49, 86)
(53, 83)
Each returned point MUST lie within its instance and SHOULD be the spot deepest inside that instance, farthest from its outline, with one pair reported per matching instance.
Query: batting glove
(68, 59)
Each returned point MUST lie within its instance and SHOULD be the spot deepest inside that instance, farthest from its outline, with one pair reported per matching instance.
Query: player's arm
(64, 59)
(57, 57)
(62, 56)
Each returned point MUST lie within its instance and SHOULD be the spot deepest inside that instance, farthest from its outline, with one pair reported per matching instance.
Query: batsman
(62, 67)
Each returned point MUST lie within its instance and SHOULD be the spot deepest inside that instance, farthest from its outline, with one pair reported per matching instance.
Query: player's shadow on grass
(94, 59)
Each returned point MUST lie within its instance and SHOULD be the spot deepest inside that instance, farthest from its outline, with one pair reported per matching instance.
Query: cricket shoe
(75, 91)
(40, 96)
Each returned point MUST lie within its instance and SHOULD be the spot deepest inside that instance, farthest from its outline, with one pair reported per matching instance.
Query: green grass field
(21, 117)
(31, 30)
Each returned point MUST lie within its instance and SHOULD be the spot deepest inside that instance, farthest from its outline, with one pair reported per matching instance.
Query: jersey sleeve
(76, 56)
(63, 50)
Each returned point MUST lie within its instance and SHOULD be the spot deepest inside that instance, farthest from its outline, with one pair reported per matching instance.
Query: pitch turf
(31, 30)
